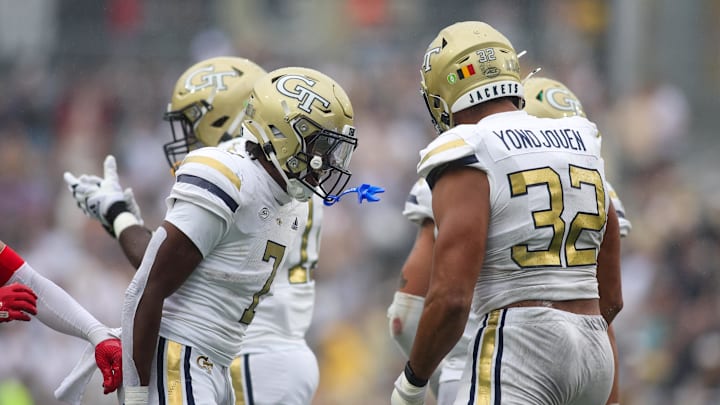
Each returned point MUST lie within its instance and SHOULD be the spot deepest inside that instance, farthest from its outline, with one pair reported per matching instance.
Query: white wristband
(100, 334)
(137, 395)
(123, 221)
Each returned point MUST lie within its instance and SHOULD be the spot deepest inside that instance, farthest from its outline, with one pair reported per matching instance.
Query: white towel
(72, 388)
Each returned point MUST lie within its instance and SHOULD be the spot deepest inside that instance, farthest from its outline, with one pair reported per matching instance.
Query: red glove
(15, 300)
(108, 357)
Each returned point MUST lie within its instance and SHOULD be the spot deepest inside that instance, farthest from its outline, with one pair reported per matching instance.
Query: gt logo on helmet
(562, 100)
(208, 80)
(306, 96)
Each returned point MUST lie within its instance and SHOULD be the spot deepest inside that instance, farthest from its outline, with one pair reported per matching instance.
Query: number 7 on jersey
(273, 251)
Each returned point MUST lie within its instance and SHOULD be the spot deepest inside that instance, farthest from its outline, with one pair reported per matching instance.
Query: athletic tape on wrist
(123, 221)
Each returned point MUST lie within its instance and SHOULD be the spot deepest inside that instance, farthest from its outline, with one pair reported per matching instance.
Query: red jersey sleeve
(9, 263)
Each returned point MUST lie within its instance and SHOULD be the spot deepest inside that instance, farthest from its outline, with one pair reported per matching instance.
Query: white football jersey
(214, 306)
(548, 203)
(418, 206)
(625, 225)
(284, 316)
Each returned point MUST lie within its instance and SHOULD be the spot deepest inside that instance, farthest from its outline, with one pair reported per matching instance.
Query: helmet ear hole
(276, 132)
(220, 121)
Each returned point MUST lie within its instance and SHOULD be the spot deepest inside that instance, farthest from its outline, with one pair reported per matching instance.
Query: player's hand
(16, 302)
(136, 395)
(103, 199)
(406, 393)
(108, 357)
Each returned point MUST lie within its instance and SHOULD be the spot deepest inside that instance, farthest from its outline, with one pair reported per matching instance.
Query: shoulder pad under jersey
(625, 225)
(448, 147)
(418, 206)
(212, 178)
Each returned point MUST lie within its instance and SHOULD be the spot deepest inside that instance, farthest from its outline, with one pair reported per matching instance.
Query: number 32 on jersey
(591, 218)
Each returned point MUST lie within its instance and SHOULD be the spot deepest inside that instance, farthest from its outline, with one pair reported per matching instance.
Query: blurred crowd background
(82, 79)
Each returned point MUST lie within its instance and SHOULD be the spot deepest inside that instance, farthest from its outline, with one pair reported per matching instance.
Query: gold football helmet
(547, 98)
(468, 63)
(205, 104)
(303, 121)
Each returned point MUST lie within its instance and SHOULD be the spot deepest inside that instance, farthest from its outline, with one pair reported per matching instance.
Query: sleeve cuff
(9, 263)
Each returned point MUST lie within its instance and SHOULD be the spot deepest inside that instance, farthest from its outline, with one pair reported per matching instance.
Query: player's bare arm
(608, 270)
(461, 208)
(134, 241)
(176, 259)
(415, 273)
(611, 302)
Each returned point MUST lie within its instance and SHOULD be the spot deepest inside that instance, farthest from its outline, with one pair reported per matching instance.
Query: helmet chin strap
(235, 123)
(297, 190)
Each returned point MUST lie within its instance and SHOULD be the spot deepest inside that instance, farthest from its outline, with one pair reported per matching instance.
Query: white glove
(136, 395)
(104, 200)
(405, 393)
(133, 206)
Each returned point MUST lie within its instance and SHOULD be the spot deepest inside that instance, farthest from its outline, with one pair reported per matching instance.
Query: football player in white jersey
(274, 350)
(526, 235)
(26, 292)
(235, 219)
(543, 98)
(546, 98)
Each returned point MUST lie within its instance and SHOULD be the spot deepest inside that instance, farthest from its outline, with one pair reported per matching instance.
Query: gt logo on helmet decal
(306, 96)
(208, 80)
(562, 100)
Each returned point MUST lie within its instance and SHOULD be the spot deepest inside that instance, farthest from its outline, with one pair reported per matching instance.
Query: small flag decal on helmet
(466, 71)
